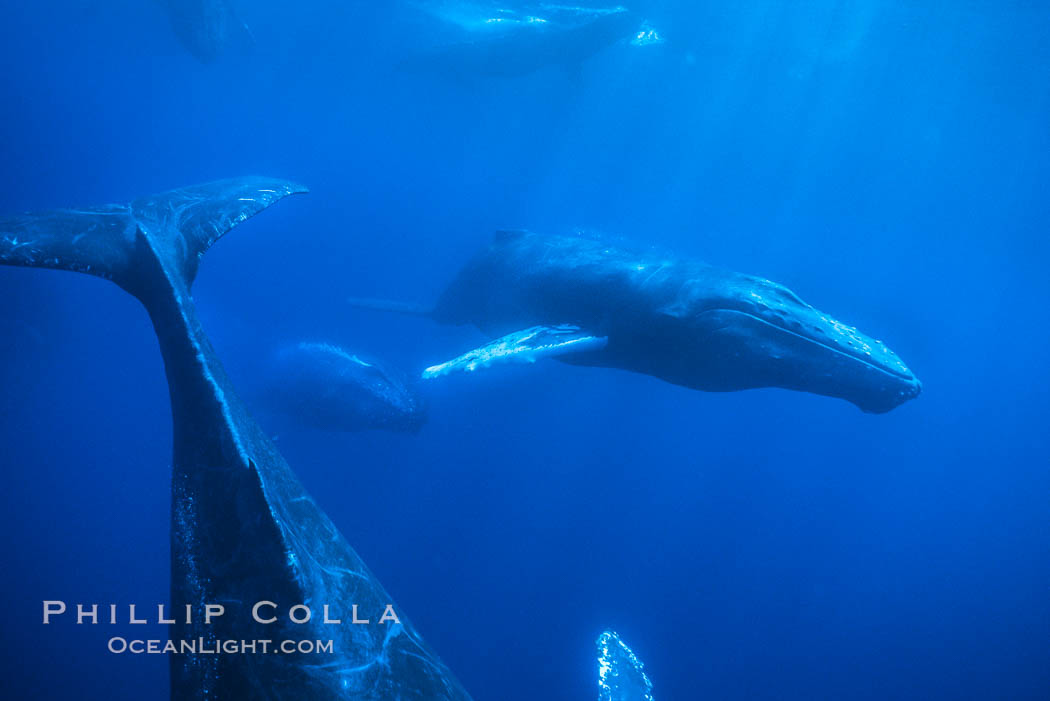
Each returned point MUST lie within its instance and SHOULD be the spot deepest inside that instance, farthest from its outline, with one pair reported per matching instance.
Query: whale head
(757, 333)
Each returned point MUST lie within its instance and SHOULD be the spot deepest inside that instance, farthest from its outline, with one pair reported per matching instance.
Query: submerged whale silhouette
(205, 27)
(243, 529)
(682, 321)
(500, 48)
(327, 387)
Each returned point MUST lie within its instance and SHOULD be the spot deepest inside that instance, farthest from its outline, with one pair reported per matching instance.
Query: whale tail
(110, 241)
(241, 522)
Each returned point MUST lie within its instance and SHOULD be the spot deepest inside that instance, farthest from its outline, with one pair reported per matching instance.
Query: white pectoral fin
(522, 347)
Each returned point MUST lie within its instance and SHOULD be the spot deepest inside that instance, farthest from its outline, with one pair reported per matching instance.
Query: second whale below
(325, 386)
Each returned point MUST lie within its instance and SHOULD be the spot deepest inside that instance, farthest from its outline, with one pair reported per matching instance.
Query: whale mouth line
(906, 377)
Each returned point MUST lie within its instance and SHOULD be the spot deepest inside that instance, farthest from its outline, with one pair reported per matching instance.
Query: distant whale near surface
(205, 27)
(243, 529)
(686, 322)
(509, 45)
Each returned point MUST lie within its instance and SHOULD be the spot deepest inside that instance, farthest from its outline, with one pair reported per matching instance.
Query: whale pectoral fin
(621, 675)
(524, 346)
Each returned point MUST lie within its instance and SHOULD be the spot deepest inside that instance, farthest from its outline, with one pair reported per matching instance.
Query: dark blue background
(890, 164)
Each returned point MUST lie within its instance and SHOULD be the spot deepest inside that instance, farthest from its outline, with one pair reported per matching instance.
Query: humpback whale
(327, 387)
(205, 27)
(683, 321)
(510, 45)
(243, 529)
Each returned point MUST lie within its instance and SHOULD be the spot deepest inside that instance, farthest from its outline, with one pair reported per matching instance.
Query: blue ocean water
(887, 162)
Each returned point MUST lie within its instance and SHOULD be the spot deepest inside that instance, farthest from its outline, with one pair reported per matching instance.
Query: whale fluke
(179, 224)
(243, 528)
